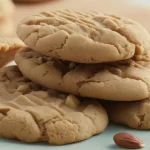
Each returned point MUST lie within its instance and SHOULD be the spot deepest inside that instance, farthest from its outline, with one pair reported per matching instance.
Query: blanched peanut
(72, 101)
(23, 89)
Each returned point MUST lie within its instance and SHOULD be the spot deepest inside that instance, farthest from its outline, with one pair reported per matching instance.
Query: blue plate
(103, 141)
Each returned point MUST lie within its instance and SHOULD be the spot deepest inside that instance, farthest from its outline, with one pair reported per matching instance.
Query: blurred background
(10, 15)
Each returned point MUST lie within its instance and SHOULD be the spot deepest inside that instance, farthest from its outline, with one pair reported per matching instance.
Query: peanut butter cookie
(85, 37)
(123, 81)
(132, 114)
(31, 113)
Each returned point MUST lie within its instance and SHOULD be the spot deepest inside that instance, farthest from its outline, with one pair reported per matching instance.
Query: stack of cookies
(32, 112)
(91, 56)
(6, 10)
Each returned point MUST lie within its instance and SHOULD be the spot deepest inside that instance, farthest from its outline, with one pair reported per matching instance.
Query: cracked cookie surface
(8, 49)
(123, 81)
(85, 37)
(31, 113)
(132, 114)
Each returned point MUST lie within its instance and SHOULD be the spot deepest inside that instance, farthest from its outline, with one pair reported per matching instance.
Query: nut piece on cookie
(85, 37)
(72, 101)
(23, 89)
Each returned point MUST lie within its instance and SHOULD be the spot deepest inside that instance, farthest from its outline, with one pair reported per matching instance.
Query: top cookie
(84, 37)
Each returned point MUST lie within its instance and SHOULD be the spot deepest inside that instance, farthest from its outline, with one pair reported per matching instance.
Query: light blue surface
(142, 2)
(103, 141)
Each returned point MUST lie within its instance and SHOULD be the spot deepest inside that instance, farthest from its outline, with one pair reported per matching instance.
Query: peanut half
(72, 101)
